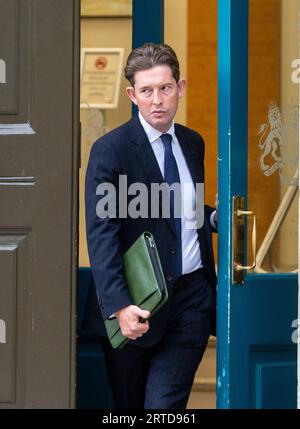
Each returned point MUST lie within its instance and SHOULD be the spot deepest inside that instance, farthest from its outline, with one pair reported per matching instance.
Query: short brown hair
(150, 55)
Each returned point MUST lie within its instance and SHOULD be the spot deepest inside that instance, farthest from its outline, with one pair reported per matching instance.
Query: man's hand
(130, 321)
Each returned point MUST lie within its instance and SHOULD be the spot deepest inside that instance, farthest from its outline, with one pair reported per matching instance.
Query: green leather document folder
(145, 281)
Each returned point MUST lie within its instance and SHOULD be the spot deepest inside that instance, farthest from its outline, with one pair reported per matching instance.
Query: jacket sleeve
(208, 210)
(103, 232)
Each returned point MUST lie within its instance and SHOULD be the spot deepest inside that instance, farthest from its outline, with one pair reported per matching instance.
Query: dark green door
(39, 63)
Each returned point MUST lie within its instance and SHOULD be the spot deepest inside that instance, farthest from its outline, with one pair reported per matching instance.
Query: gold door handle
(240, 246)
(253, 240)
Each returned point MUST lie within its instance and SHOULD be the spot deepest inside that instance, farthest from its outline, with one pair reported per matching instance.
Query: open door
(39, 88)
(258, 211)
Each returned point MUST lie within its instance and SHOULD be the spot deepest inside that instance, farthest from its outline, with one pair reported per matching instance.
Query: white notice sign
(100, 77)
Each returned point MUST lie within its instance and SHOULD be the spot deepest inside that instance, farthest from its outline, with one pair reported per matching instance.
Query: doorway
(255, 86)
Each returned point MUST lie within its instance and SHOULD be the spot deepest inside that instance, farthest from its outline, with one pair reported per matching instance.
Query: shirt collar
(152, 133)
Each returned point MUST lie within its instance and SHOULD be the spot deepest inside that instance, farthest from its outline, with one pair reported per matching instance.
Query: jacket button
(173, 251)
(169, 277)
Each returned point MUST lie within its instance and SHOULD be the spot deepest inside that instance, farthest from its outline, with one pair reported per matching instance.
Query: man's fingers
(136, 330)
(143, 314)
(140, 328)
(143, 327)
(133, 321)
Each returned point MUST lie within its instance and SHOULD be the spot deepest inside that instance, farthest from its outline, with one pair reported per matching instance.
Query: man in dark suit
(157, 367)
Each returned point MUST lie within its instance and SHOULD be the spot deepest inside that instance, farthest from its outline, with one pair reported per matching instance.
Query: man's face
(156, 94)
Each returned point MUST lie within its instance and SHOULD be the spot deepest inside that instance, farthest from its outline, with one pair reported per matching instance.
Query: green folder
(145, 281)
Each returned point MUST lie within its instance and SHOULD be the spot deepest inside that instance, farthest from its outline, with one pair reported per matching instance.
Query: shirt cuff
(112, 316)
(212, 220)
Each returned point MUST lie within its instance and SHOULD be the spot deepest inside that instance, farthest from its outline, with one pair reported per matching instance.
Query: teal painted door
(258, 161)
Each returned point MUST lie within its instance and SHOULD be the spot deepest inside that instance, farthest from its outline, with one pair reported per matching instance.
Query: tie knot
(166, 139)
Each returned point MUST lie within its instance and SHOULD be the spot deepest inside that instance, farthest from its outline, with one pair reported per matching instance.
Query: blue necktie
(172, 176)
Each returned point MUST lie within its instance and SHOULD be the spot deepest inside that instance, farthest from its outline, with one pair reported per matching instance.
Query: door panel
(14, 48)
(38, 188)
(273, 131)
(256, 354)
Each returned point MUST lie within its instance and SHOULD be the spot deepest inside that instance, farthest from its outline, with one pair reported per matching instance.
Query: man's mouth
(158, 112)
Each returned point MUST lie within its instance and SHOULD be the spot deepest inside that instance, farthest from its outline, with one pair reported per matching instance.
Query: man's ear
(181, 87)
(130, 93)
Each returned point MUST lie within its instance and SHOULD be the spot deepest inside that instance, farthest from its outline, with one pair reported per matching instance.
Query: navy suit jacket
(127, 151)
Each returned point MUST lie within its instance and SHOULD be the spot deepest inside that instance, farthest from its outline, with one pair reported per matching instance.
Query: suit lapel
(190, 154)
(146, 157)
(144, 152)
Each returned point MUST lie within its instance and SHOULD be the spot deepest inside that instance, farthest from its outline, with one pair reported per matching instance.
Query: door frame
(233, 19)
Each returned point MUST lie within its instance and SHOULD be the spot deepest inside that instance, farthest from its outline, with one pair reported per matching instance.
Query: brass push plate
(239, 242)
(238, 225)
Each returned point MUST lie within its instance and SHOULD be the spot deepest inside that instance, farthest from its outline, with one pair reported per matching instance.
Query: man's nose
(156, 98)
